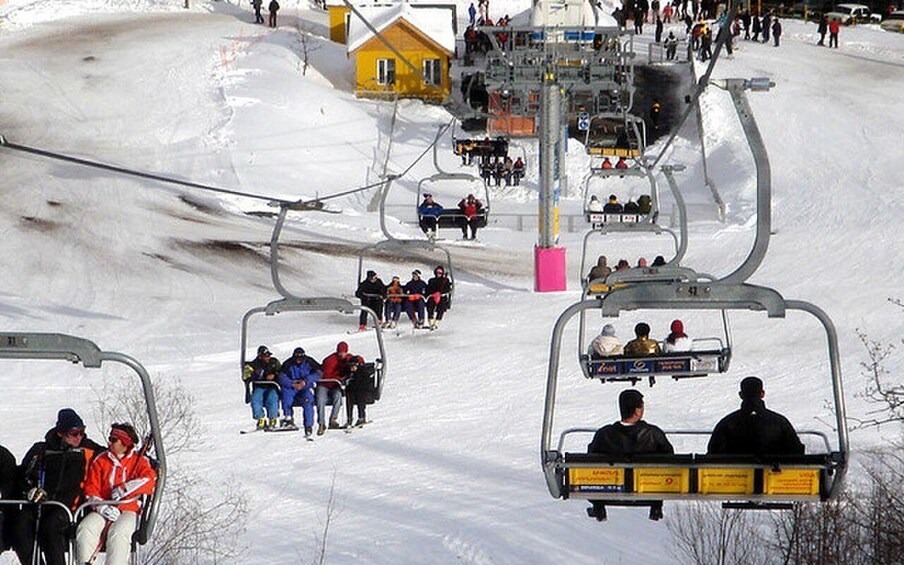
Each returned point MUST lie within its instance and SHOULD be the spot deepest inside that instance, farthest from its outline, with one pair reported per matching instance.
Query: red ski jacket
(130, 477)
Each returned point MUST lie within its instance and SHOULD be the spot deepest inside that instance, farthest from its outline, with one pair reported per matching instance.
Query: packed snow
(448, 469)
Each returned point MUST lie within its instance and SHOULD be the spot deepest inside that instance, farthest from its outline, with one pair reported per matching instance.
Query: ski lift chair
(319, 304)
(737, 481)
(405, 247)
(452, 216)
(49, 346)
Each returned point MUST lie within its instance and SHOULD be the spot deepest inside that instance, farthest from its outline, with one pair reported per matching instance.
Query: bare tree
(306, 45)
(320, 556)
(706, 534)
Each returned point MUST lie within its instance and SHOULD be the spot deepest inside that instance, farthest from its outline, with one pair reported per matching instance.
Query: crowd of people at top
(71, 470)
(303, 381)
(470, 212)
(644, 205)
(753, 429)
(493, 160)
(602, 269)
(416, 297)
(607, 343)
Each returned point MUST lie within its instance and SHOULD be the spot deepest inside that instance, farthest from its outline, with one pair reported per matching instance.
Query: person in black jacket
(8, 483)
(439, 290)
(628, 436)
(273, 7)
(262, 388)
(53, 469)
(372, 292)
(754, 429)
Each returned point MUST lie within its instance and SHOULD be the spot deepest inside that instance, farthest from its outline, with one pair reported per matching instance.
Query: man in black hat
(628, 436)
(53, 469)
(754, 429)
(372, 292)
(261, 376)
(297, 379)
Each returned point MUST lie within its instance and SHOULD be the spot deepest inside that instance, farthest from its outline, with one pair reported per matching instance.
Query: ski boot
(261, 423)
(334, 425)
(274, 423)
(307, 433)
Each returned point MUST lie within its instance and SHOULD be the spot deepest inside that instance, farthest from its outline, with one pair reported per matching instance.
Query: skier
(754, 429)
(517, 171)
(470, 208)
(594, 205)
(53, 469)
(642, 345)
(607, 164)
(823, 29)
(677, 340)
(8, 484)
(613, 206)
(416, 290)
(631, 208)
(706, 43)
(621, 163)
(428, 215)
(655, 111)
(261, 375)
(371, 291)
(472, 14)
(745, 23)
(438, 292)
(394, 298)
(358, 389)
(273, 7)
(767, 23)
(641, 263)
(606, 344)
(645, 204)
(659, 261)
(600, 271)
(297, 379)
(258, 18)
(331, 384)
(757, 28)
(776, 31)
(630, 435)
(671, 46)
(658, 36)
(117, 474)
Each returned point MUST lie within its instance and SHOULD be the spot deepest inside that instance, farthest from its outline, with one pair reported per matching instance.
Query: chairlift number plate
(596, 479)
(14, 341)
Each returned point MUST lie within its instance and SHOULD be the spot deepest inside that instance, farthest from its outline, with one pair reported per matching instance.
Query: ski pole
(35, 556)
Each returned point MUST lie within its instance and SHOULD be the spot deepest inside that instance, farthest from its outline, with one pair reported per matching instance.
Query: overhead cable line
(189, 184)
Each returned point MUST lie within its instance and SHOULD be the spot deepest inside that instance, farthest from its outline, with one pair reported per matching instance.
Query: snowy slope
(448, 470)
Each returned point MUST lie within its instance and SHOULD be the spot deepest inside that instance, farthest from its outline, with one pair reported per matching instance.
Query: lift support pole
(549, 259)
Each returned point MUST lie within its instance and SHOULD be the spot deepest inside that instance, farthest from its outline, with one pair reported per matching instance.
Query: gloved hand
(118, 493)
(36, 495)
(435, 296)
(110, 513)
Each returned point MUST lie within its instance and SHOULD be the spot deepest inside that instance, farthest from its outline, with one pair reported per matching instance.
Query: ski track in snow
(447, 471)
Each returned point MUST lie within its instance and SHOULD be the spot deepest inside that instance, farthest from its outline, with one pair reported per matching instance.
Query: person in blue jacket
(297, 379)
(428, 215)
(416, 290)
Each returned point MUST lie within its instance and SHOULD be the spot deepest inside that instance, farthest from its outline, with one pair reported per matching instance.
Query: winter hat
(416, 272)
(395, 277)
(613, 198)
(659, 261)
(298, 351)
(628, 401)
(751, 388)
(342, 347)
(608, 330)
(124, 433)
(371, 274)
(677, 327)
(642, 329)
(428, 195)
(67, 419)
(262, 350)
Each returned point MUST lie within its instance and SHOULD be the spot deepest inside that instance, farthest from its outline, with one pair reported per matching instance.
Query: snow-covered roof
(433, 22)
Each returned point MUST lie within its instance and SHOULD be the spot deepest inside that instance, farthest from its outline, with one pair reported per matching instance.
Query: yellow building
(339, 18)
(424, 36)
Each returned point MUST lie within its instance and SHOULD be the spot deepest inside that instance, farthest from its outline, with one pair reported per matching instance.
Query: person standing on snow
(472, 14)
(372, 292)
(658, 36)
(822, 30)
(834, 28)
(297, 379)
(767, 25)
(117, 474)
(273, 7)
(53, 469)
(261, 376)
(438, 291)
(757, 27)
(776, 31)
(671, 46)
(258, 4)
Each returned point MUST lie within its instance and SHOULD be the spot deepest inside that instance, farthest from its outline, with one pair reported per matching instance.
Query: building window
(385, 72)
(433, 72)
(348, 21)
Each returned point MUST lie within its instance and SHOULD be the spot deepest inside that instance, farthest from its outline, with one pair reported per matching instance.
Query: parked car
(894, 22)
(848, 14)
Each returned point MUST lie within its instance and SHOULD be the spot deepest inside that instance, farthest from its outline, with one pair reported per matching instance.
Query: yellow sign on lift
(725, 481)
(665, 480)
(608, 479)
(791, 482)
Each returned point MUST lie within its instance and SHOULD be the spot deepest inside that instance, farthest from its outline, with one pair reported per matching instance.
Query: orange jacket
(132, 475)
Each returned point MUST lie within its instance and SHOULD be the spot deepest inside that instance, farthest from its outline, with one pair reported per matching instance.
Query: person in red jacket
(834, 28)
(470, 208)
(118, 474)
(329, 388)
